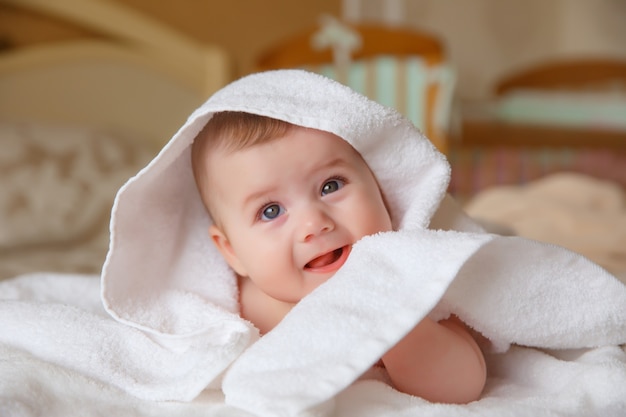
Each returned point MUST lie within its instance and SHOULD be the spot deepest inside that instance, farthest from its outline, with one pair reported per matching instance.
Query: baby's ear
(223, 245)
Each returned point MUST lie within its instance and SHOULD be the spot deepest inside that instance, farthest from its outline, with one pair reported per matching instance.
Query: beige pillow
(58, 183)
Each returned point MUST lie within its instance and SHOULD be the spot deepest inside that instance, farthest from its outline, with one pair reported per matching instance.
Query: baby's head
(287, 202)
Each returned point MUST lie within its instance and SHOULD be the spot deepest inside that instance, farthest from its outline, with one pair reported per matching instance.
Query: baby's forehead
(298, 145)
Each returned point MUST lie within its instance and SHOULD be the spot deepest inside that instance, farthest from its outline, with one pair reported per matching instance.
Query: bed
(81, 115)
(559, 115)
(546, 157)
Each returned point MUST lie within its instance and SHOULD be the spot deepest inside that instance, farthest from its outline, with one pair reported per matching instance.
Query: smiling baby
(287, 204)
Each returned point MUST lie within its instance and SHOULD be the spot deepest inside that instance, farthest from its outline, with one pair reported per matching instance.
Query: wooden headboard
(136, 75)
(569, 74)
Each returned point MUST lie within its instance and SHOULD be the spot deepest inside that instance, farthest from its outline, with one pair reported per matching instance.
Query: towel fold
(59, 318)
(170, 326)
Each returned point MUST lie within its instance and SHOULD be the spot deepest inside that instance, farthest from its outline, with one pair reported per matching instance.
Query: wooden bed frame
(136, 76)
(490, 152)
(570, 75)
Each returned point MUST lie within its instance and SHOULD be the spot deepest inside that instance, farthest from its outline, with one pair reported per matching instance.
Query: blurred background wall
(485, 38)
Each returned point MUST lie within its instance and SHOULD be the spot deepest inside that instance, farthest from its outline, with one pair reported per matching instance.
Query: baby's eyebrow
(256, 195)
(339, 161)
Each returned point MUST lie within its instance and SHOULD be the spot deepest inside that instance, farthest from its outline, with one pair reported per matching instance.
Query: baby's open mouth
(330, 260)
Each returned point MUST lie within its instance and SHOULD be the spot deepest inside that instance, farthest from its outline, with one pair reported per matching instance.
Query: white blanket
(522, 382)
(170, 341)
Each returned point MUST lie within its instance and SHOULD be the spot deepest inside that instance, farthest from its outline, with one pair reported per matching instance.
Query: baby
(288, 203)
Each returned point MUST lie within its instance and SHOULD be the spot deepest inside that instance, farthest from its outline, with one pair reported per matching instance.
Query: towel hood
(160, 250)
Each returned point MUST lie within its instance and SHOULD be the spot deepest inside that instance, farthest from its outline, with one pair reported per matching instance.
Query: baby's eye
(331, 186)
(271, 211)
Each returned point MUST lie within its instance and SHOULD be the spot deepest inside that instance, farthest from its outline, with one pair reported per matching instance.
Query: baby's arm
(438, 361)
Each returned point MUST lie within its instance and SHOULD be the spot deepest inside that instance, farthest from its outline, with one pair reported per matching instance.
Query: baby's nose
(315, 222)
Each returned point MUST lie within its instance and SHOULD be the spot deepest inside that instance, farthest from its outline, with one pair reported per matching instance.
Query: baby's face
(291, 209)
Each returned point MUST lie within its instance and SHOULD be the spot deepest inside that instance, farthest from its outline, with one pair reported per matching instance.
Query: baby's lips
(329, 261)
(325, 259)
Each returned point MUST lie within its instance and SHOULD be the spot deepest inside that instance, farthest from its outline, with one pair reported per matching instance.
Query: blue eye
(331, 186)
(271, 211)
